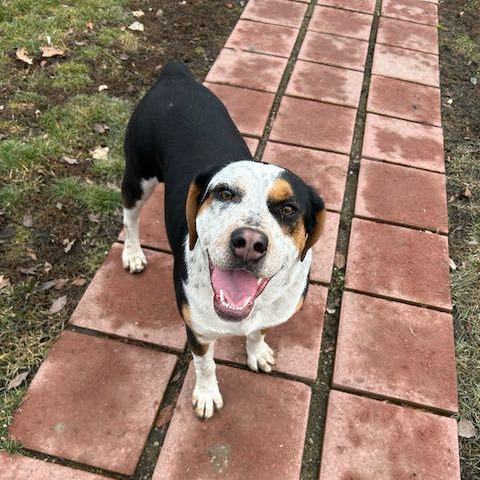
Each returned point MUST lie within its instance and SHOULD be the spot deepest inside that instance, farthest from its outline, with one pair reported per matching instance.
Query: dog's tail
(174, 68)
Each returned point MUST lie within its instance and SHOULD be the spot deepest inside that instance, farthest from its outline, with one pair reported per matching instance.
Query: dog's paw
(260, 355)
(133, 259)
(205, 400)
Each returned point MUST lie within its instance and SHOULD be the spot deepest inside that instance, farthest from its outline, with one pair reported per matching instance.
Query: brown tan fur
(314, 235)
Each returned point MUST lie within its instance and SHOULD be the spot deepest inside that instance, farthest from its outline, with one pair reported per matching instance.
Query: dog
(241, 231)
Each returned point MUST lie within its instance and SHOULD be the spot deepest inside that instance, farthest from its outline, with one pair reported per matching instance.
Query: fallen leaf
(467, 193)
(48, 52)
(331, 311)
(136, 27)
(80, 43)
(100, 153)
(22, 55)
(94, 217)
(47, 267)
(339, 260)
(123, 57)
(101, 88)
(69, 246)
(159, 13)
(28, 271)
(466, 428)
(58, 305)
(17, 381)
(47, 285)
(452, 264)
(31, 254)
(138, 13)
(90, 25)
(165, 415)
(70, 161)
(78, 282)
(100, 128)
(4, 282)
(27, 220)
(59, 205)
(60, 283)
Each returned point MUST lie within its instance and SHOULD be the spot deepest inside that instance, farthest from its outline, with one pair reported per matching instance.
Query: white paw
(260, 355)
(133, 259)
(205, 400)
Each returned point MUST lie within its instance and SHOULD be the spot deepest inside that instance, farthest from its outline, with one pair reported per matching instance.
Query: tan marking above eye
(280, 191)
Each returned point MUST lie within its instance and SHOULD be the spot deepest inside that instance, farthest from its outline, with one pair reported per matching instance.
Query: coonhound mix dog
(241, 231)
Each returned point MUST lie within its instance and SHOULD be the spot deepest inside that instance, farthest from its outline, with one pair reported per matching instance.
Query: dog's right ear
(196, 195)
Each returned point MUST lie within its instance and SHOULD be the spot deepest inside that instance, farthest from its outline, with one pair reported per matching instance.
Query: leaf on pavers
(94, 217)
(68, 245)
(165, 415)
(453, 265)
(70, 161)
(136, 27)
(100, 153)
(78, 282)
(49, 51)
(339, 260)
(466, 428)
(138, 13)
(4, 282)
(100, 128)
(28, 271)
(58, 305)
(22, 55)
(27, 220)
(17, 381)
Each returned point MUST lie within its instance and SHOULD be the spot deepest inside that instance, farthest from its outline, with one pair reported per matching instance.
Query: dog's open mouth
(235, 292)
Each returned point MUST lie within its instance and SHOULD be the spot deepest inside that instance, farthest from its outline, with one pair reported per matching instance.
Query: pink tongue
(237, 285)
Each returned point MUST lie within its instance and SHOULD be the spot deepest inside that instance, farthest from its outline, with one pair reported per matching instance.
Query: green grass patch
(12, 197)
(93, 197)
(71, 76)
(465, 46)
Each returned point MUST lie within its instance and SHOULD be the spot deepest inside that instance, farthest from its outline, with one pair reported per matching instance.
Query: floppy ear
(315, 220)
(195, 196)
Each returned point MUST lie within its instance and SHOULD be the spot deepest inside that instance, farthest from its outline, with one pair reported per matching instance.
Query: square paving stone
(324, 250)
(341, 22)
(17, 467)
(314, 124)
(252, 144)
(296, 343)
(412, 10)
(258, 434)
(403, 195)
(278, 12)
(398, 33)
(325, 83)
(397, 351)
(93, 401)
(399, 263)
(152, 222)
(407, 143)
(367, 6)
(325, 171)
(406, 65)
(406, 100)
(139, 306)
(368, 439)
(235, 67)
(262, 38)
(334, 50)
(249, 109)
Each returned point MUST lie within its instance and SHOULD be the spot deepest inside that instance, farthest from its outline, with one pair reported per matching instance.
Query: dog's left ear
(314, 221)
(195, 197)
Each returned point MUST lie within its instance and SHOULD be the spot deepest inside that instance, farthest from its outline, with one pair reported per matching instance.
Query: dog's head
(253, 220)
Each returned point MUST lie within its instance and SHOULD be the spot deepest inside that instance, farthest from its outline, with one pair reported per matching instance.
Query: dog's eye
(225, 194)
(289, 210)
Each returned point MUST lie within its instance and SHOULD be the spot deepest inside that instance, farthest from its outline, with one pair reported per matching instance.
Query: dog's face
(253, 220)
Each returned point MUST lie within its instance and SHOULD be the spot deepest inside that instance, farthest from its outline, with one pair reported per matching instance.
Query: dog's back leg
(135, 192)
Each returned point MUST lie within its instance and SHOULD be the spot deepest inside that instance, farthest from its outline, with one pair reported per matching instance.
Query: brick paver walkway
(345, 93)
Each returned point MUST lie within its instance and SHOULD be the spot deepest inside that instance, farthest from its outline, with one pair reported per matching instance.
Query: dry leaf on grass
(453, 265)
(28, 271)
(17, 381)
(100, 128)
(48, 52)
(466, 428)
(69, 246)
(100, 153)
(94, 217)
(22, 55)
(58, 305)
(27, 220)
(70, 161)
(138, 13)
(78, 282)
(136, 27)
(4, 282)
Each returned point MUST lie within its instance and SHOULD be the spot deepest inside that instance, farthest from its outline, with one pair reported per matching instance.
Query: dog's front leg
(259, 354)
(206, 394)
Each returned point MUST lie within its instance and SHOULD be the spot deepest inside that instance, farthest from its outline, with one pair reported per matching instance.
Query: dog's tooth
(259, 281)
(247, 301)
(222, 295)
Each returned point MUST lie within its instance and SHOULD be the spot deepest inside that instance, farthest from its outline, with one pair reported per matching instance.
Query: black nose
(248, 244)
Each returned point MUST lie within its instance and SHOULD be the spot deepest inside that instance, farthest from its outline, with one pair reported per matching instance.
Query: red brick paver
(141, 307)
(258, 434)
(412, 10)
(367, 6)
(325, 171)
(406, 100)
(235, 67)
(16, 467)
(334, 50)
(407, 143)
(396, 350)
(296, 343)
(341, 22)
(262, 38)
(278, 12)
(325, 83)
(398, 194)
(317, 128)
(369, 439)
(93, 401)
(249, 109)
(399, 263)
